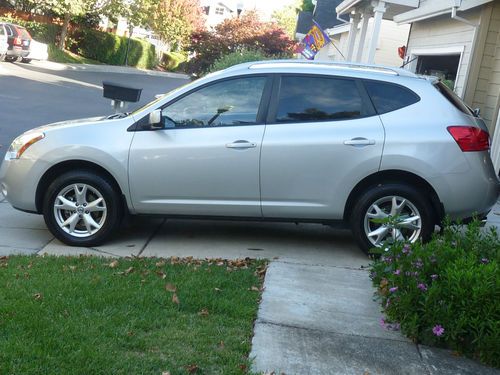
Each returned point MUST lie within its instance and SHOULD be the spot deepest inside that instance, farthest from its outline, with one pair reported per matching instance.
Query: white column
(378, 11)
(352, 35)
(362, 37)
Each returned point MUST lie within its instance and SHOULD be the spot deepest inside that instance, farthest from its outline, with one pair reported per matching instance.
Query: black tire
(380, 192)
(26, 61)
(109, 219)
(10, 59)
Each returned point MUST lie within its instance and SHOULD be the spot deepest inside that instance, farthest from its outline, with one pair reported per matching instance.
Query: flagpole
(333, 44)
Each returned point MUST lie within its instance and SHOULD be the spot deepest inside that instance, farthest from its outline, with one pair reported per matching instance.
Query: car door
(206, 160)
(323, 137)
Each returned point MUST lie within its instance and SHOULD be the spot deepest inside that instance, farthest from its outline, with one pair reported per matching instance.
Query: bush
(237, 57)
(234, 34)
(111, 49)
(171, 60)
(446, 292)
(42, 32)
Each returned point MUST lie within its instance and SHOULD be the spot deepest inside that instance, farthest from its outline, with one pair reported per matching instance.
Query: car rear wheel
(386, 214)
(26, 61)
(82, 208)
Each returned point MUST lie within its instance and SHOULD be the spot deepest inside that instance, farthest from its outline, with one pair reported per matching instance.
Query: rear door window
(388, 97)
(318, 98)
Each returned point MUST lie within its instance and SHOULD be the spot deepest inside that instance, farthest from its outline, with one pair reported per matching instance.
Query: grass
(67, 57)
(89, 315)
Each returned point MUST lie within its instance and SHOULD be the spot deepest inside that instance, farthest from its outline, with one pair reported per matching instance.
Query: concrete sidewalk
(317, 314)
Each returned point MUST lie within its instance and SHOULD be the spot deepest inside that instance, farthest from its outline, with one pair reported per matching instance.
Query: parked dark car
(18, 40)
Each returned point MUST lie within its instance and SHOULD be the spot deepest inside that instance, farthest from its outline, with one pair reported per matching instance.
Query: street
(37, 94)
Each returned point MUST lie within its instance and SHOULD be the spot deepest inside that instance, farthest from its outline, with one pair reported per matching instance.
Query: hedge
(171, 60)
(111, 49)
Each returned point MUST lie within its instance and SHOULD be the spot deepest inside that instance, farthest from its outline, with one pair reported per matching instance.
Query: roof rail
(332, 64)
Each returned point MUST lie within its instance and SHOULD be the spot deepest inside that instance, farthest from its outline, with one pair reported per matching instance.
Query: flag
(315, 39)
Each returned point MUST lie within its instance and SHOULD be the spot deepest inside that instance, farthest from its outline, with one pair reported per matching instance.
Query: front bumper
(19, 180)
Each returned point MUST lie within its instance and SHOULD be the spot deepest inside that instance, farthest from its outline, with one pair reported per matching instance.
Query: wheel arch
(394, 176)
(71, 165)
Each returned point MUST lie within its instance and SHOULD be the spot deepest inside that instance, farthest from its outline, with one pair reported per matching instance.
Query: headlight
(22, 143)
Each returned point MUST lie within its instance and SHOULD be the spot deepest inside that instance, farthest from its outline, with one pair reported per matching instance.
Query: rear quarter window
(453, 98)
(387, 97)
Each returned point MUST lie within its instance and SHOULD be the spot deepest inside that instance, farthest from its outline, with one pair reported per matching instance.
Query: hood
(67, 124)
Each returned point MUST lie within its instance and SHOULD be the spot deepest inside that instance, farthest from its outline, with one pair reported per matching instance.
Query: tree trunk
(64, 31)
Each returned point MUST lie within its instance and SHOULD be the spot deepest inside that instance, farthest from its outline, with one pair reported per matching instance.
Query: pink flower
(422, 287)
(393, 289)
(438, 330)
(397, 272)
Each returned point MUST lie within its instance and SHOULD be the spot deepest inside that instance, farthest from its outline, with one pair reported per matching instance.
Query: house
(352, 34)
(217, 11)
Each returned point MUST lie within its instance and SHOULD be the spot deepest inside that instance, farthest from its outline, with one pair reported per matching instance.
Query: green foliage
(66, 57)
(307, 6)
(174, 20)
(237, 57)
(111, 49)
(171, 60)
(286, 18)
(41, 32)
(450, 283)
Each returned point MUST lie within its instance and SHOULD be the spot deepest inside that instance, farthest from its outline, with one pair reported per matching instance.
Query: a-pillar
(379, 9)
(352, 35)
(362, 37)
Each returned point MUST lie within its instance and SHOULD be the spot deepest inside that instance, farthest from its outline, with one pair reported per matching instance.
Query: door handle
(241, 144)
(359, 142)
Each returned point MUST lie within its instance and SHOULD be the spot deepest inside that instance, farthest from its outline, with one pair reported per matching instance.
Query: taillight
(470, 138)
(18, 41)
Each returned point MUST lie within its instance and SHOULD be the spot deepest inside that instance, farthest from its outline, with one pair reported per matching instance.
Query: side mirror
(154, 120)
(477, 112)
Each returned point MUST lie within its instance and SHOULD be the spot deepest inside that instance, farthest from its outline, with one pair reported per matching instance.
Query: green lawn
(67, 57)
(89, 315)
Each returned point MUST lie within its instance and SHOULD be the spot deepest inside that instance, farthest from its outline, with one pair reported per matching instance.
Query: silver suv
(380, 150)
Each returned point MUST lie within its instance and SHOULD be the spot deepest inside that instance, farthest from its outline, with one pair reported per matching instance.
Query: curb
(106, 69)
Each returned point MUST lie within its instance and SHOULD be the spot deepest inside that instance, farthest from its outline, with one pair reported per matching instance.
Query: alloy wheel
(80, 210)
(392, 219)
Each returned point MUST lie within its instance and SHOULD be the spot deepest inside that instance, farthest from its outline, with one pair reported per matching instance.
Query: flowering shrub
(446, 292)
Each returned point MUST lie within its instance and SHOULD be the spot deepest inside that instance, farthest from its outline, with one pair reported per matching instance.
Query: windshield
(154, 102)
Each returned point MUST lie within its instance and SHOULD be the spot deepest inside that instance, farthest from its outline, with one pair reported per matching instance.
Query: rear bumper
(470, 194)
(17, 52)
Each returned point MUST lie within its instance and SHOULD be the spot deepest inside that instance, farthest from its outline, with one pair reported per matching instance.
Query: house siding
(392, 36)
(442, 32)
(486, 96)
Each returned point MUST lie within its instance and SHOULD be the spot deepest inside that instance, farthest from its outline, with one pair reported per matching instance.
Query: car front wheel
(82, 208)
(391, 213)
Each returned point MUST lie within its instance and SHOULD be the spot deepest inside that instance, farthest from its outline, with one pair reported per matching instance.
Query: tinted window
(9, 30)
(453, 98)
(307, 99)
(23, 33)
(387, 97)
(1, 30)
(231, 102)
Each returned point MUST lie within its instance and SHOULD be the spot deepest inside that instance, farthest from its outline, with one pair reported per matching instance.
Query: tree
(286, 17)
(68, 9)
(175, 20)
(307, 6)
(238, 33)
